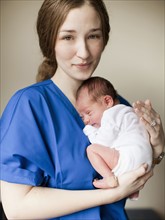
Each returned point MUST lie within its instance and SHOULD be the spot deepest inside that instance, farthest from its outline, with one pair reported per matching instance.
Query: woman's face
(79, 43)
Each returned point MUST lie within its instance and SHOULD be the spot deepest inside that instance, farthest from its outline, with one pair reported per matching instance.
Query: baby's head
(93, 97)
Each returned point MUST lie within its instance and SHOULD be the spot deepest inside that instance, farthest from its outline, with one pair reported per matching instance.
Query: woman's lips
(83, 65)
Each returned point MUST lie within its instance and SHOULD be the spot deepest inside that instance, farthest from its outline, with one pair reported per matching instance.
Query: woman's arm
(153, 124)
(27, 202)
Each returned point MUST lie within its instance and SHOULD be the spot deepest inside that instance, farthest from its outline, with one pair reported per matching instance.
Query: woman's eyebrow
(70, 31)
(95, 29)
(73, 31)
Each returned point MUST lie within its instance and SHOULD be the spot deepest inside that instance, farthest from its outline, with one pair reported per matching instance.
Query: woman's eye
(94, 36)
(68, 38)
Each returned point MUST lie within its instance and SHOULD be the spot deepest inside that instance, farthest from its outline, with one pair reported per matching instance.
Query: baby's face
(90, 111)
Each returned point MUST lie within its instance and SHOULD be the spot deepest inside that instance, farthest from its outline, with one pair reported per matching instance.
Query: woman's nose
(82, 49)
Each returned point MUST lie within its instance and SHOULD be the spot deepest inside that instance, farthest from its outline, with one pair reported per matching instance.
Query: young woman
(44, 169)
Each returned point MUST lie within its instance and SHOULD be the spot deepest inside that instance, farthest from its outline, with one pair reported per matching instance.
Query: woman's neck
(68, 86)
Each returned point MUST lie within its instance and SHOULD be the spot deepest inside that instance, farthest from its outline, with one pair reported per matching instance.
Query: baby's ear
(108, 101)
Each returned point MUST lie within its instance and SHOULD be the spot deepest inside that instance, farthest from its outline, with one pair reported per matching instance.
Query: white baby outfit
(121, 129)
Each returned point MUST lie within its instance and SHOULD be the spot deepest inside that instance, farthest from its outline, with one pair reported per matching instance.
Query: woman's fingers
(147, 113)
(133, 181)
(133, 176)
(151, 120)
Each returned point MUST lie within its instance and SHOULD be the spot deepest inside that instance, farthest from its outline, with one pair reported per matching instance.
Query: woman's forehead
(85, 16)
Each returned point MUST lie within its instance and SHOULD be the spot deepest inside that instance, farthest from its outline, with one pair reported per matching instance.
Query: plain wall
(133, 60)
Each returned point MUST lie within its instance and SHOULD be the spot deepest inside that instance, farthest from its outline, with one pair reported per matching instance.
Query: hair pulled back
(51, 16)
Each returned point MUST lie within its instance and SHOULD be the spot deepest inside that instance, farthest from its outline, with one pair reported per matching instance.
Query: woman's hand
(134, 181)
(153, 124)
(130, 182)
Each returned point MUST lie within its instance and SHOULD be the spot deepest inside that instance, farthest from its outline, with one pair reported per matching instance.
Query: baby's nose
(86, 120)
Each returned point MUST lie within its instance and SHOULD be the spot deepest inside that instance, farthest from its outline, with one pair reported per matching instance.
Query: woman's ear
(108, 100)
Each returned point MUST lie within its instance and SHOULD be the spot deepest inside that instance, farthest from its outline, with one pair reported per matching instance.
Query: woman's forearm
(63, 202)
(28, 202)
(158, 150)
(25, 202)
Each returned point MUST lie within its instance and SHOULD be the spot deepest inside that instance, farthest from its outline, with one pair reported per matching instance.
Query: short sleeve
(24, 153)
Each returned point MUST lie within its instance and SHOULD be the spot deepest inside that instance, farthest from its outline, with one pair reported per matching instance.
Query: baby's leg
(103, 159)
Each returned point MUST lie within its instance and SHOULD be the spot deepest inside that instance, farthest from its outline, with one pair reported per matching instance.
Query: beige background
(133, 61)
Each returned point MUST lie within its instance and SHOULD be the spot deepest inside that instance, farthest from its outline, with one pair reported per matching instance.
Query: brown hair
(97, 87)
(51, 16)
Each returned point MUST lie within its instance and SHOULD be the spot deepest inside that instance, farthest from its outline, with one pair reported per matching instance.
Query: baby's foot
(107, 182)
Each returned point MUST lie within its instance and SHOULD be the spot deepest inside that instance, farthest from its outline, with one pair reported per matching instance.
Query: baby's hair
(97, 87)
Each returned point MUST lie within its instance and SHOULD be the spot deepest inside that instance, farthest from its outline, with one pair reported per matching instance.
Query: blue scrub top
(42, 144)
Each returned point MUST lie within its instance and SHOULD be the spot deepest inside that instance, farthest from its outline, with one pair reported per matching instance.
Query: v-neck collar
(67, 103)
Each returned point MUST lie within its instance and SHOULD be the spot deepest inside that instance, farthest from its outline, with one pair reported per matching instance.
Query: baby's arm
(91, 132)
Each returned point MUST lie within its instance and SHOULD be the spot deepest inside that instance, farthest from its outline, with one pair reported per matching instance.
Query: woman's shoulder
(27, 97)
(30, 93)
(33, 90)
(123, 101)
(24, 103)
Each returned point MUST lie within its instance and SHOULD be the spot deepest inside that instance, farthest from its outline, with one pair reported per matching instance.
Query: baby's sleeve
(91, 132)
